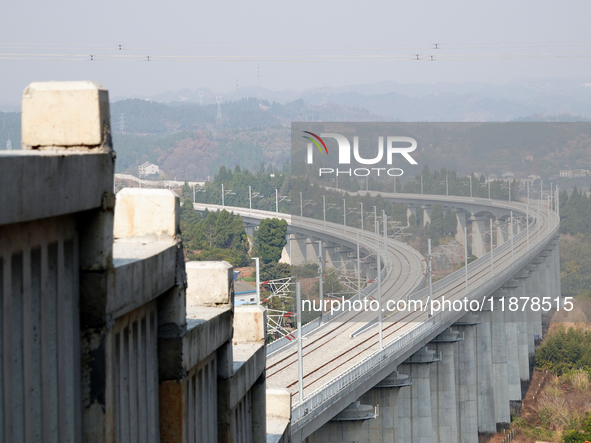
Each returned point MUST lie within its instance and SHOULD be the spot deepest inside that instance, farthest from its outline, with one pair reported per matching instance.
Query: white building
(149, 169)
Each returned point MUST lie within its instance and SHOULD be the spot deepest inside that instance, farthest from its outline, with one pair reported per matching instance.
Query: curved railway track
(328, 351)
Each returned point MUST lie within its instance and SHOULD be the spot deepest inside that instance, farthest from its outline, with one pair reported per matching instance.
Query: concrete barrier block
(66, 115)
(279, 403)
(150, 213)
(209, 283)
(250, 324)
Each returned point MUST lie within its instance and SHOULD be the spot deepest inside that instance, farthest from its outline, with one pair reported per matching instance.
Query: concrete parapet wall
(131, 347)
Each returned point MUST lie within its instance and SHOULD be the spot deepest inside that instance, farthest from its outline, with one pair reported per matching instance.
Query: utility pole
(429, 256)
(258, 85)
(276, 202)
(470, 177)
(122, 123)
(492, 262)
(300, 362)
(421, 183)
(379, 289)
(324, 210)
(320, 277)
(249, 199)
(344, 215)
(258, 279)
(358, 270)
(223, 195)
(361, 218)
(446, 186)
(489, 186)
(527, 222)
(301, 208)
(385, 218)
(512, 236)
(466, 256)
(219, 102)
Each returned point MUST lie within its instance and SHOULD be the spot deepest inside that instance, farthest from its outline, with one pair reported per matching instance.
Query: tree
(450, 223)
(271, 239)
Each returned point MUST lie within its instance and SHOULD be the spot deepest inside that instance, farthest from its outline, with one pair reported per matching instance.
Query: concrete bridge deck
(338, 369)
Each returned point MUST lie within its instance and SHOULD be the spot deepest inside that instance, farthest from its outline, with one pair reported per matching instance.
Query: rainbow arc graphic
(316, 142)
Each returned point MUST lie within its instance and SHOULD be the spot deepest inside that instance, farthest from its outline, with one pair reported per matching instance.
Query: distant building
(574, 173)
(508, 175)
(149, 169)
(533, 177)
(580, 172)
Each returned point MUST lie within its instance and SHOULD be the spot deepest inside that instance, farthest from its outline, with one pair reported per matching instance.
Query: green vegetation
(270, 239)
(565, 349)
(214, 236)
(435, 183)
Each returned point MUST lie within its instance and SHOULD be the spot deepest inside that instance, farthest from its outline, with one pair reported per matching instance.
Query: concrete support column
(259, 410)
(443, 388)
(548, 274)
(331, 256)
(485, 383)
(522, 317)
(536, 316)
(297, 249)
(345, 427)
(311, 250)
(499, 361)
(502, 235)
(384, 395)
(461, 217)
(415, 412)
(557, 258)
(530, 314)
(426, 216)
(478, 233)
(511, 320)
(466, 381)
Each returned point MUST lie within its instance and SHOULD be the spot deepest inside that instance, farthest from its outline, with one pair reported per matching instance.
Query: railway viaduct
(108, 336)
(442, 378)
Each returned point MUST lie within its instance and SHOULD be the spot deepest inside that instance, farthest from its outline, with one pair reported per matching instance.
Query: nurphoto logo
(394, 145)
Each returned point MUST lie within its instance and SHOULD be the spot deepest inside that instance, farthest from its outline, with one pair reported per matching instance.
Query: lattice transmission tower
(219, 102)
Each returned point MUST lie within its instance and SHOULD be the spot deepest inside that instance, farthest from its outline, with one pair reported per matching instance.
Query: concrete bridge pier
(466, 380)
(443, 388)
(461, 218)
(499, 361)
(297, 249)
(530, 316)
(426, 215)
(332, 256)
(535, 317)
(385, 396)
(557, 258)
(414, 413)
(522, 340)
(478, 241)
(511, 320)
(484, 376)
(345, 427)
(311, 250)
(502, 233)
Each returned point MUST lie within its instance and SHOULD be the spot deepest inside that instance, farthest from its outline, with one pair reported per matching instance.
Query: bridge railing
(439, 322)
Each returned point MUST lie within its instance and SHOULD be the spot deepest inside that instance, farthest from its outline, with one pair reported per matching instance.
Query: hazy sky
(308, 23)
